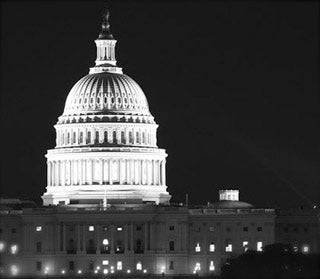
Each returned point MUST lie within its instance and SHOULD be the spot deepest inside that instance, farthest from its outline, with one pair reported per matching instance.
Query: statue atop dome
(105, 26)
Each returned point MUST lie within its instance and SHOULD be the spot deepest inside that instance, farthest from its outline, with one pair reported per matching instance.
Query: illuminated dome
(106, 93)
(106, 140)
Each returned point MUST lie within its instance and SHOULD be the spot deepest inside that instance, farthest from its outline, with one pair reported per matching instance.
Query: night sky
(234, 87)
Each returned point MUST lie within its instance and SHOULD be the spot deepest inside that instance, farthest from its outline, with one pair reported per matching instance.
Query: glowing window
(197, 267)
(105, 242)
(139, 266)
(105, 271)
(211, 266)
(38, 228)
(105, 262)
(245, 245)
(305, 249)
(259, 246)
(229, 247)
(211, 247)
(2, 246)
(14, 270)
(119, 265)
(295, 248)
(119, 229)
(91, 228)
(14, 249)
(198, 248)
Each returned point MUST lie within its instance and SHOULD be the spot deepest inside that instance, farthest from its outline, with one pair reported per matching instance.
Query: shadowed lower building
(106, 209)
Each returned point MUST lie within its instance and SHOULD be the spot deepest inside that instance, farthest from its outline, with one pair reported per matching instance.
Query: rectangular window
(259, 246)
(211, 229)
(139, 228)
(245, 229)
(39, 266)
(259, 229)
(38, 247)
(245, 245)
(119, 229)
(71, 265)
(105, 262)
(229, 248)
(38, 228)
(171, 245)
(171, 228)
(228, 229)
(198, 248)
(211, 247)
(13, 230)
(119, 265)
(171, 265)
(105, 228)
(211, 266)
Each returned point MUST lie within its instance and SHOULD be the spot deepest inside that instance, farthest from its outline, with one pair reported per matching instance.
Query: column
(81, 172)
(151, 237)
(110, 171)
(64, 237)
(163, 173)
(71, 163)
(147, 172)
(111, 238)
(131, 237)
(48, 174)
(126, 238)
(58, 173)
(78, 238)
(132, 171)
(58, 237)
(98, 239)
(63, 173)
(146, 246)
(102, 172)
(154, 182)
(91, 170)
(120, 171)
(141, 171)
(159, 172)
(84, 237)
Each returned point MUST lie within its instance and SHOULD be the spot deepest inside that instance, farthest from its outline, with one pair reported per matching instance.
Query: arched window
(105, 246)
(114, 137)
(139, 248)
(97, 137)
(139, 265)
(91, 246)
(68, 138)
(105, 136)
(81, 137)
(137, 137)
(122, 137)
(89, 137)
(74, 137)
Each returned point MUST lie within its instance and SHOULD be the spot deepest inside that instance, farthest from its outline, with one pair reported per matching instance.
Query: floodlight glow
(98, 267)
(112, 267)
(63, 271)
(14, 270)
(105, 271)
(144, 271)
(38, 228)
(14, 249)
(2, 246)
(128, 271)
(112, 271)
(96, 271)
(79, 271)
(119, 229)
(105, 242)
(91, 228)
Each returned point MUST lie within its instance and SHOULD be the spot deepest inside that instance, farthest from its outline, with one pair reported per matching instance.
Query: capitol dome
(106, 140)
(106, 93)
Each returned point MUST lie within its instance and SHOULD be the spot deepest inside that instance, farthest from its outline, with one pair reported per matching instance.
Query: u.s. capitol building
(106, 208)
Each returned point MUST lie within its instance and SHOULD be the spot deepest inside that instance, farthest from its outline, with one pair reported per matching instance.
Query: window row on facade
(103, 136)
(106, 171)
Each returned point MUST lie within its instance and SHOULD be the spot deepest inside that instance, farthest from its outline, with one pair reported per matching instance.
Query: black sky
(233, 85)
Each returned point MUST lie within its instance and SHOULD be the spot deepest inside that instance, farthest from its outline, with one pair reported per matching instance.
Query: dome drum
(106, 134)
